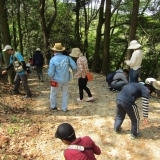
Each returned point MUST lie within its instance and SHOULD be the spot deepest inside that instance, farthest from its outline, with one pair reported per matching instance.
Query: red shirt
(72, 154)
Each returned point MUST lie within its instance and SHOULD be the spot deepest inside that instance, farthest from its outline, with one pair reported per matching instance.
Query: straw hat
(134, 45)
(76, 52)
(156, 85)
(58, 47)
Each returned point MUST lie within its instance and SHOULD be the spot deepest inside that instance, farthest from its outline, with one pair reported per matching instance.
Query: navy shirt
(131, 92)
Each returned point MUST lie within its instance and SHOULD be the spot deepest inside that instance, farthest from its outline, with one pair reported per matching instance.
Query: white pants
(53, 95)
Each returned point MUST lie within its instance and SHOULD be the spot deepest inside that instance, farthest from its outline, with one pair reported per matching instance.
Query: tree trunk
(19, 27)
(5, 36)
(133, 26)
(96, 56)
(46, 28)
(106, 54)
(77, 23)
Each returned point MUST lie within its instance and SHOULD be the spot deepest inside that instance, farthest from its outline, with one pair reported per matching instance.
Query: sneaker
(26, 96)
(134, 136)
(54, 109)
(80, 100)
(65, 110)
(118, 130)
(14, 93)
(89, 99)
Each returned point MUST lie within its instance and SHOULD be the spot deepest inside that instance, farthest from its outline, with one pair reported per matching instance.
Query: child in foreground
(78, 148)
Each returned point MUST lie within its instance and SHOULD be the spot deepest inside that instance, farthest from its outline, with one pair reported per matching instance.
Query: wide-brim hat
(64, 131)
(76, 52)
(134, 45)
(7, 47)
(38, 49)
(156, 84)
(58, 47)
(149, 80)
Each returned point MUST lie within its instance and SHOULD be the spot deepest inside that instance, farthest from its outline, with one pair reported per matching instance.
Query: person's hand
(145, 121)
(4, 72)
(26, 73)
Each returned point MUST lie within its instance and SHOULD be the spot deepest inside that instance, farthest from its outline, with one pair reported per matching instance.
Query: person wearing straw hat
(79, 148)
(126, 105)
(58, 71)
(82, 70)
(38, 62)
(135, 61)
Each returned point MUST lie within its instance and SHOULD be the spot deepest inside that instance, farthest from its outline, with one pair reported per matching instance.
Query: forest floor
(27, 126)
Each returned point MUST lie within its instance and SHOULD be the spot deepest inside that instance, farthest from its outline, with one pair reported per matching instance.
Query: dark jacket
(38, 59)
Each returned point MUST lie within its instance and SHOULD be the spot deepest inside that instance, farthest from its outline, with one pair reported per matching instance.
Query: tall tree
(133, 25)
(5, 35)
(106, 52)
(96, 55)
(46, 27)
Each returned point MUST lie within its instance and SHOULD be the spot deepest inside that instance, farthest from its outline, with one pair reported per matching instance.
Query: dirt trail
(27, 125)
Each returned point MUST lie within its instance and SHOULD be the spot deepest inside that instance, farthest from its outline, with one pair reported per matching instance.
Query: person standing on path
(135, 61)
(38, 62)
(82, 70)
(126, 105)
(59, 73)
(17, 61)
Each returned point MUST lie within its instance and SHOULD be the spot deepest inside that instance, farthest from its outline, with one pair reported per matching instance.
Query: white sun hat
(134, 45)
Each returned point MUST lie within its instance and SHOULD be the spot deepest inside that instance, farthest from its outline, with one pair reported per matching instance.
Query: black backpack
(109, 77)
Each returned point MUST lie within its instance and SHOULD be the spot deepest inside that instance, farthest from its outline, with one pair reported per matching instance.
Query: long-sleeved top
(131, 92)
(119, 76)
(136, 60)
(82, 67)
(38, 59)
(73, 154)
(59, 68)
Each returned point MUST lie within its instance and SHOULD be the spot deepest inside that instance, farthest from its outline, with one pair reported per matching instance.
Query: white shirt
(136, 60)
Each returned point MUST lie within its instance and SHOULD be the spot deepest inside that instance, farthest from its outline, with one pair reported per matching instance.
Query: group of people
(58, 71)
(60, 76)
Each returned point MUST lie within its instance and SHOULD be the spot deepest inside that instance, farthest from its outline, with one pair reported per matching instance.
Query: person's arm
(51, 69)
(132, 61)
(96, 149)
(145, 105)
(79, 68)
(72, 64)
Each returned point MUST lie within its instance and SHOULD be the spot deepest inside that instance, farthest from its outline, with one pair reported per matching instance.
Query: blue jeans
(134, 75)
(53, 95)
(118, 86)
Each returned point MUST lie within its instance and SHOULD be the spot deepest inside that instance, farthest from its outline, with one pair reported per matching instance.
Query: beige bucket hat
(76, 52)
(156, 84)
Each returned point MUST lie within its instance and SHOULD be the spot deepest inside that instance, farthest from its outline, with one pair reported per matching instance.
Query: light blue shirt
(59, 68)
(19, 57)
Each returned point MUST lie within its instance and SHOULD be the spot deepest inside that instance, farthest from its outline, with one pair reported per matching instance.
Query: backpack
(109, 77)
